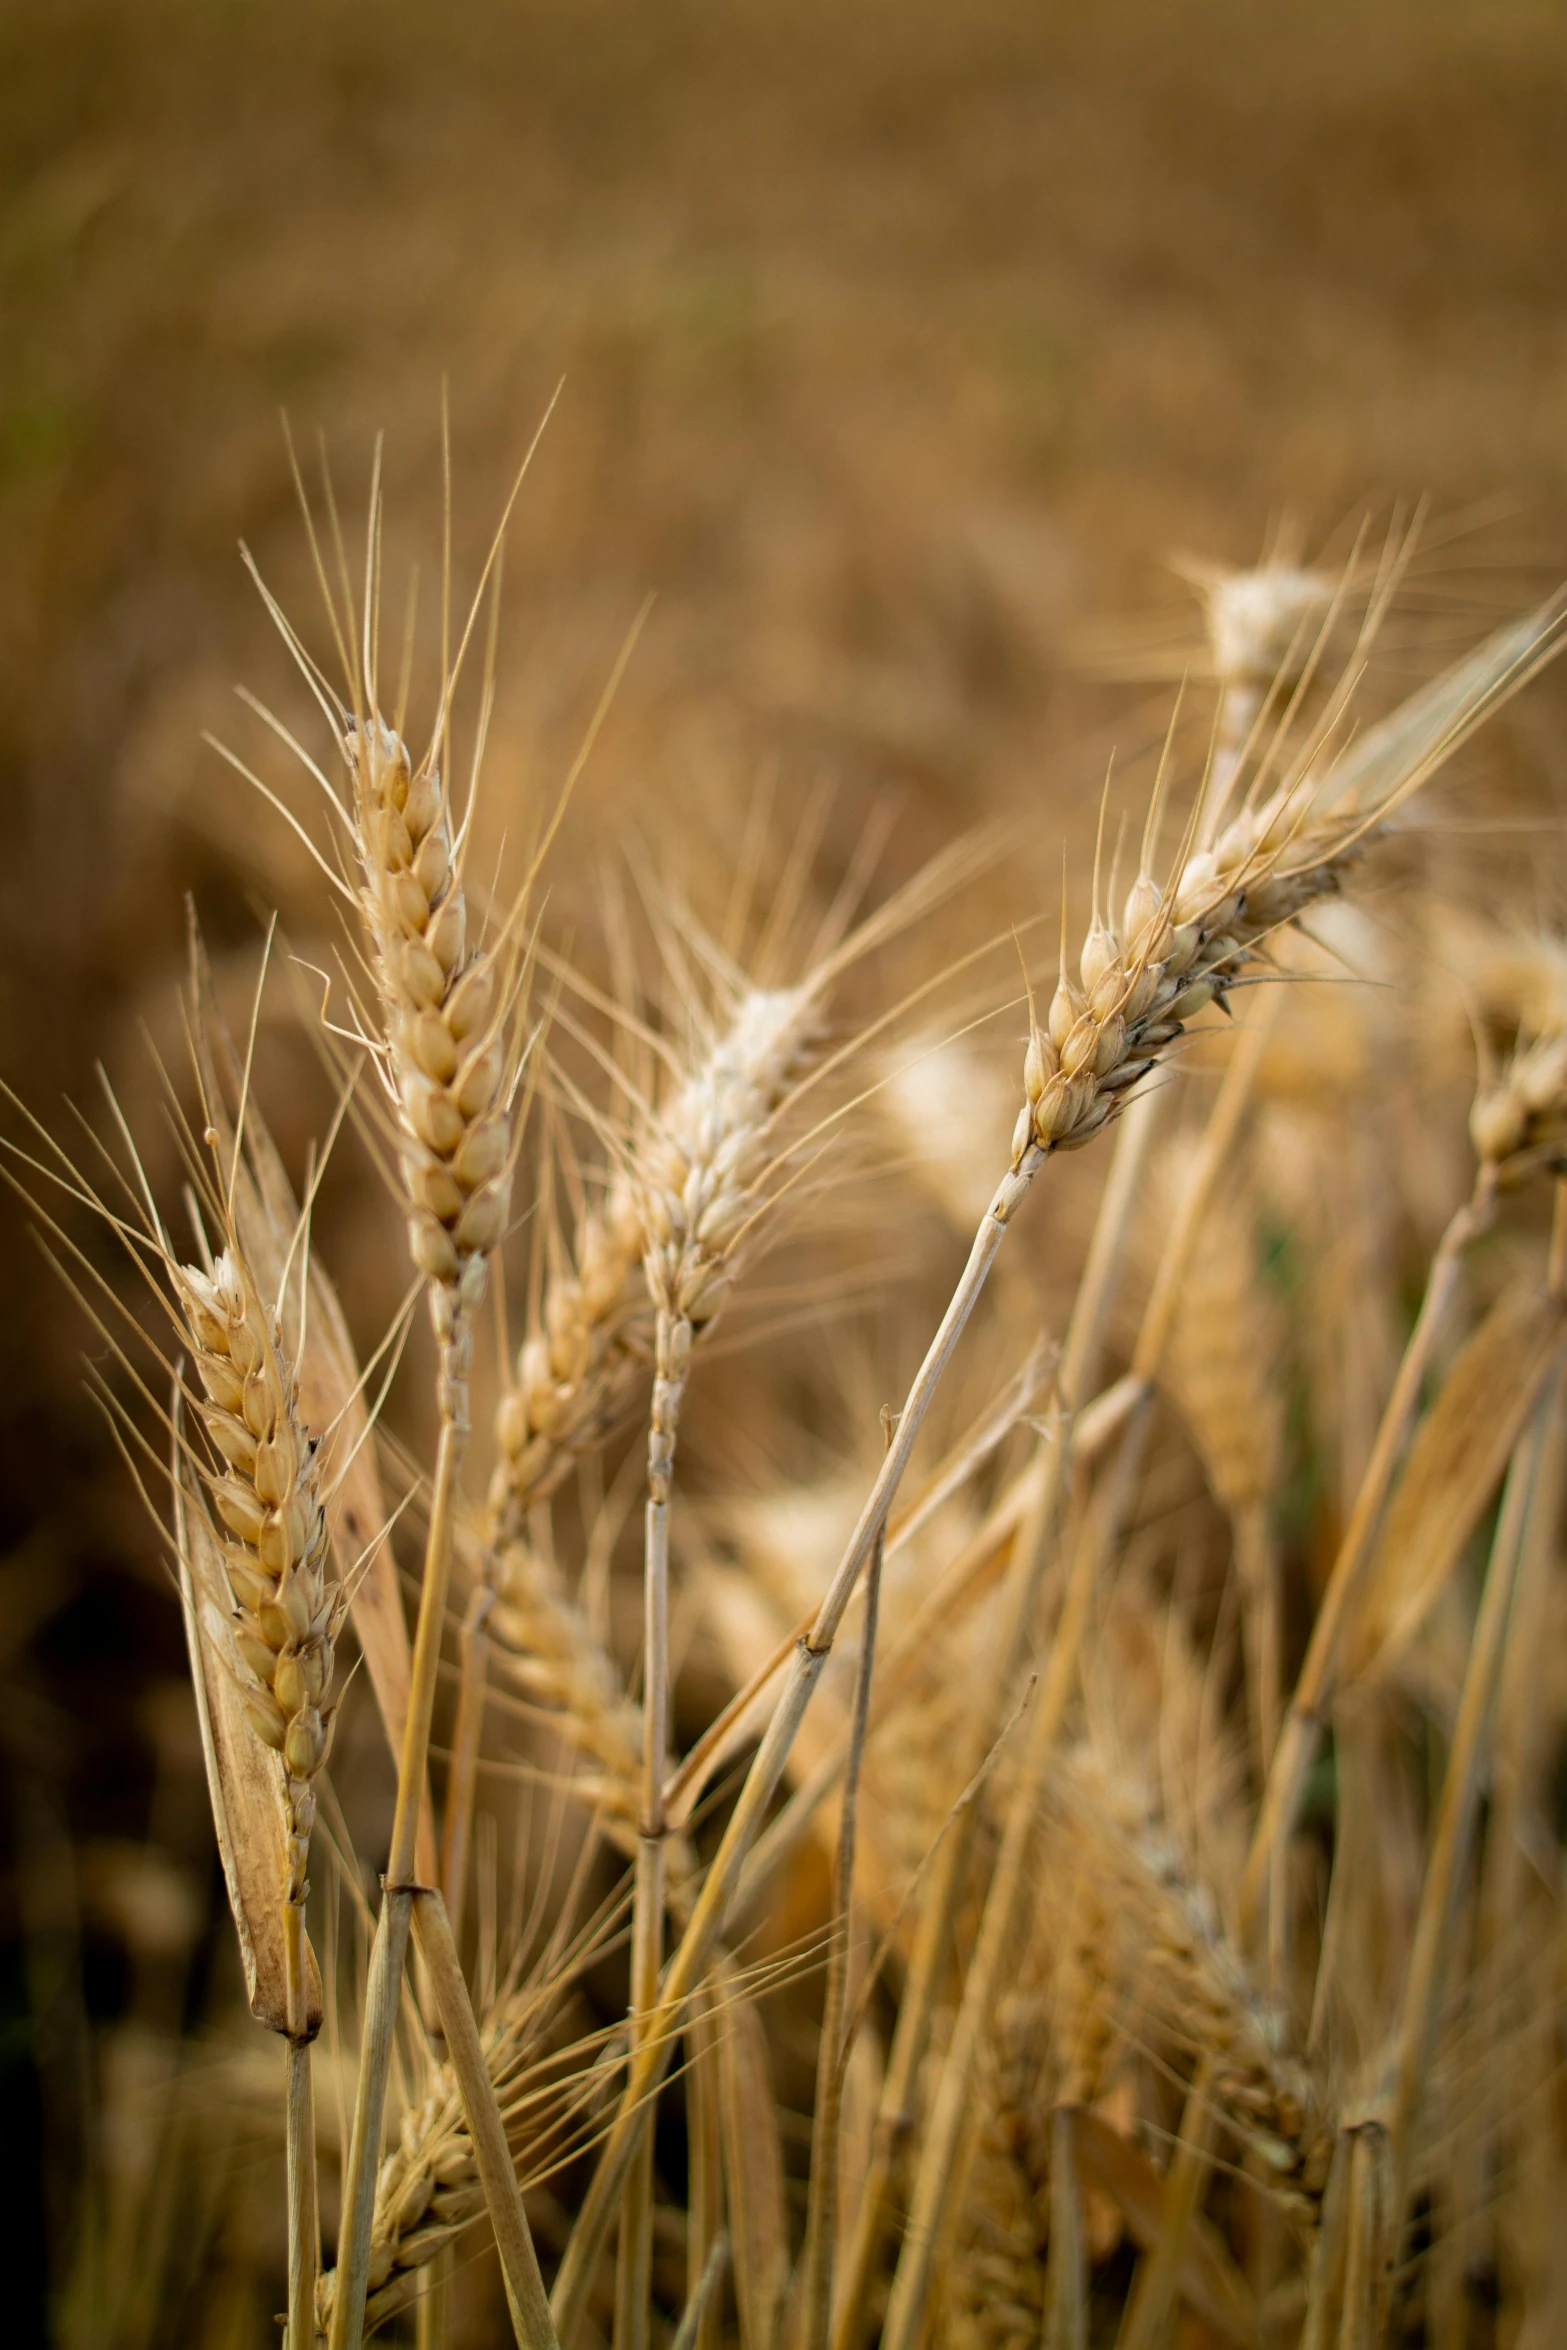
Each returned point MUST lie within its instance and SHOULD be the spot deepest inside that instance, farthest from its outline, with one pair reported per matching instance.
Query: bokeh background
(901, 347)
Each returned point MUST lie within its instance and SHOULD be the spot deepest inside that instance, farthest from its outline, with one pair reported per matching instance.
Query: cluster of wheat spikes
(1128, 2021)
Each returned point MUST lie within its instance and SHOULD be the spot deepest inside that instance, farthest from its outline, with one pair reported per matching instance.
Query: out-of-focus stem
(942, 2153)
(821, 2221)
(1148, 2312)
(1257, 1570)
(705, 2239)
(1066, 2266)
(1461, 1788)
(1314, 1690)
(525, 2295)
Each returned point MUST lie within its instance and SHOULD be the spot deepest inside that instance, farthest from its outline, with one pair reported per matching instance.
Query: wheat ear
(1263, 628)
(280, 1638)
(576, 1373)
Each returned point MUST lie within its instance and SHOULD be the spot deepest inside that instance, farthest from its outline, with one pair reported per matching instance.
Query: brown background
(900, 343)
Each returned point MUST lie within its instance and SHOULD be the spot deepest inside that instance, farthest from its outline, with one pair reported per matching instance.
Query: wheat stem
(1308, 1706)
(705, 2199)
(1325, 2282)
(432, 2310)
(391, 1942)
(1066, 2270)
(427, 1650)
(952, 2110)
(382, 1988)
(1461, 1784)
(303, 2219)
(821, 2219)
(462, 1773)
(633, 2285)
(1148, 2312)
(701, 2309)
(525, 2295)
(1372, 2240)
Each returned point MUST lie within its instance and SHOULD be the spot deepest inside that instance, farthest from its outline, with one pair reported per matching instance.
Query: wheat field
(784, 1307)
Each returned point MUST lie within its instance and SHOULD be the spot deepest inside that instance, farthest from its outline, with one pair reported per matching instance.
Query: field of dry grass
(902, 354)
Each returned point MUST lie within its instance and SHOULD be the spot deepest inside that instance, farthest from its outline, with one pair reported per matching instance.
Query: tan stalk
(952, 2111)
(525, 2294)
(1325, 2276)
(1066, 2278)
(705, 2239)
(753, 2166)
(1372, 2240)
(300, 2122)
(432, 2310)
(1461, 1785)
(701, 2312)
(1156, 2287)
(1307, 1711)
(383, 1986)
(462, 1772)
(821, 2217)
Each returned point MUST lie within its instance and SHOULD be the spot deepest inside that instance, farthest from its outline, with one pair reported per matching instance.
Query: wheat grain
(287, 1612)
(450, 1047)
(577, 1375)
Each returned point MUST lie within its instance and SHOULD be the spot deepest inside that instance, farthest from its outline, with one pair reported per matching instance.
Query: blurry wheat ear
(1263, 630)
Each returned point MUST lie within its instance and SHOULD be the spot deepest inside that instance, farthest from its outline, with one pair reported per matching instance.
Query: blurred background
(901, 347)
